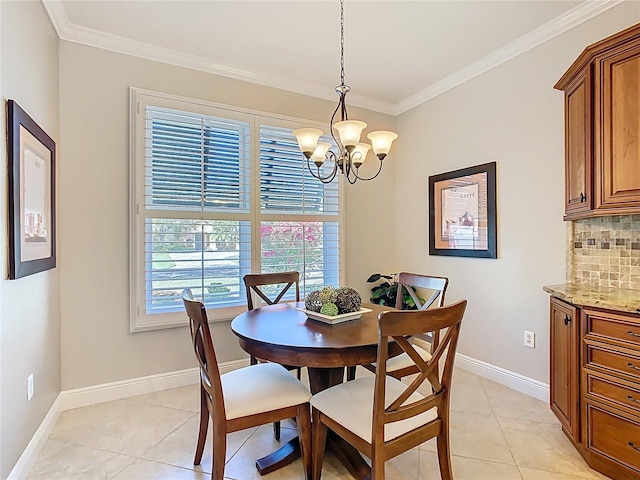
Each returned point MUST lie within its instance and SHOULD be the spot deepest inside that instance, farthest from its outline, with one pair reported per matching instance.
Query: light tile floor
(496, 434)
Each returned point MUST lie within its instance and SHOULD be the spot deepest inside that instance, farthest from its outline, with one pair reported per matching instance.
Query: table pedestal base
(285, 455)
(348, 456)
(319, 379)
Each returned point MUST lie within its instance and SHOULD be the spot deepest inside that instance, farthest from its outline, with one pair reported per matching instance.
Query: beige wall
(29, 307)
(511, 115)
(94, 221)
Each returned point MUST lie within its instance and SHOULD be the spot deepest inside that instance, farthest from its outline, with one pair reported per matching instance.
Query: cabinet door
(618, 128)
(564, 366)
(578, 145)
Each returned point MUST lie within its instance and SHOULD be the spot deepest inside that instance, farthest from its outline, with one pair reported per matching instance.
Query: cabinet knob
(631, 444)
(632, 366)
(631, 399)
(583, 198)
(567, 319)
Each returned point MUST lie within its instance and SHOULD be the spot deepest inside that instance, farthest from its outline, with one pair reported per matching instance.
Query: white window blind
(207, 256)
(196, 222)
(196, 162)
(286, 185)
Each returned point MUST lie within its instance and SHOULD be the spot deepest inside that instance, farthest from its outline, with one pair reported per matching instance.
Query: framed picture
(462, 212)
(32, 219)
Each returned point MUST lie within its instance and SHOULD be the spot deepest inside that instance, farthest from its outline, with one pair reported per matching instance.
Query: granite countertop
(619, 299)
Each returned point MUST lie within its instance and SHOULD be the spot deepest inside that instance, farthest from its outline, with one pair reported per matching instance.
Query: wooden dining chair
(248, 397)
(402, 365)
(255, 284)
(383, 417)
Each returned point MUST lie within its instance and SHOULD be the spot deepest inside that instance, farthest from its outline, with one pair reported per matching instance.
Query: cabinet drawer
(613, 327)
(615, 392)
(624, 363)
(614, 436)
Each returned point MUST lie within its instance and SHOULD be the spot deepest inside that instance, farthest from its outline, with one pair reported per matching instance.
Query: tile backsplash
(605, 251)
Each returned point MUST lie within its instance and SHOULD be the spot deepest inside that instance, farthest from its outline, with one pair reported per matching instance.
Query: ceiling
(397, 53)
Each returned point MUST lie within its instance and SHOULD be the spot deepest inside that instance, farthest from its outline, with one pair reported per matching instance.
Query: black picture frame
(32, 207)
(462, 212)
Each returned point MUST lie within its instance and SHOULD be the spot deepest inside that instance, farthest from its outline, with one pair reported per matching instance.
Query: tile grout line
(515, 462)
(167, 435)
(255, 429)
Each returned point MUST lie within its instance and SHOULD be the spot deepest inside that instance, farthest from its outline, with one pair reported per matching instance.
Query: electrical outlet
(29, 387)
(529, 339)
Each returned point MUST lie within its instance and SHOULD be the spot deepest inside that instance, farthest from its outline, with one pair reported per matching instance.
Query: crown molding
(94, 38)
(549, 30)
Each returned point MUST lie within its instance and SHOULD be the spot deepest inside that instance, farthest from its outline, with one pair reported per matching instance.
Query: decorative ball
(312, 301)
(330, 309)
(347, 300)
(328, 295)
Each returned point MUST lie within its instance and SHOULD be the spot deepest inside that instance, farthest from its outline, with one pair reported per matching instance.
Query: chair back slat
(398, 325)
(411, 281)
(416, 408)
(254, 281)
(205, 354)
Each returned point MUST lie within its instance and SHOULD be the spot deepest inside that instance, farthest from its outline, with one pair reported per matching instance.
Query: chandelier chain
(349, 153)
(342, 42)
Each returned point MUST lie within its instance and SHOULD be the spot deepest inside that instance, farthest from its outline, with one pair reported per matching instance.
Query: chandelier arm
(348, 177)
(355, 173)
(329, 178)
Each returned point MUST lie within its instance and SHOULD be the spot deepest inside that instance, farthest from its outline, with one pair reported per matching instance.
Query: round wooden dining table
(284, 334)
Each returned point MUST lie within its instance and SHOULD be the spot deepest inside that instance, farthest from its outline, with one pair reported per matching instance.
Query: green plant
(386, 292)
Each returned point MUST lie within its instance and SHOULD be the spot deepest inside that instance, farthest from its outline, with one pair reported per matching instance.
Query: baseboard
(106, 392)
(23, 466)
(513, 380)
(82, 397)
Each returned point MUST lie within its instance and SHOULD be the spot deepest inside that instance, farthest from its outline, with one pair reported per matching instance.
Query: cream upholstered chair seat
(351, 405)
(260, 388)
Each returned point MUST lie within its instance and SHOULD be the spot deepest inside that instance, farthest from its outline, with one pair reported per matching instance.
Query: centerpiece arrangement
(334, 305)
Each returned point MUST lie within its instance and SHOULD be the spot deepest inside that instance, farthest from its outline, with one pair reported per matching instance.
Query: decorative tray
(344, 317)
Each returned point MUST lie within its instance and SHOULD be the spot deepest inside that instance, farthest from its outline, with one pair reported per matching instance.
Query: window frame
(139, 99)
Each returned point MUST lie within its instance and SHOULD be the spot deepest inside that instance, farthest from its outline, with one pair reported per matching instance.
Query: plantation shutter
(286, 185)
(195, 163)
(302, 231)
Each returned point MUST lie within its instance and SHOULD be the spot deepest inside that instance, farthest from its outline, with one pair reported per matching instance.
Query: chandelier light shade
(351, 153)
(350, 131)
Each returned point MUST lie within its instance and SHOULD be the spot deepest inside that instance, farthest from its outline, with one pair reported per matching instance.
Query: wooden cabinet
(602, 128)
(610, 391)
(564, 376)
(618, 121)
(578, 146)
(595, 385)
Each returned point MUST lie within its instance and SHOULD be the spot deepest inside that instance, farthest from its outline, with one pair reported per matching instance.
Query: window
(216, 194)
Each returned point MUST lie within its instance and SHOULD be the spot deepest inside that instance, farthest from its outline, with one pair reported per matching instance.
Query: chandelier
(351, 153)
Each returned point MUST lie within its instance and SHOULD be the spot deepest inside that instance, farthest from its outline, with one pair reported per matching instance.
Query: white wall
(94, 100)
(511, 115)
(29, 307)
